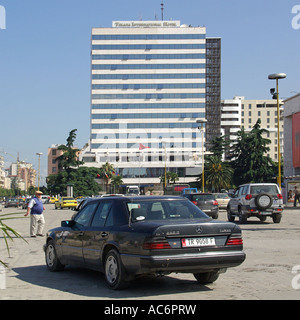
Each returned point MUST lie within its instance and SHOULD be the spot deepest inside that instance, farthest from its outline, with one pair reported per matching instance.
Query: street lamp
(201, 128)
(277, 76)
(39, 172)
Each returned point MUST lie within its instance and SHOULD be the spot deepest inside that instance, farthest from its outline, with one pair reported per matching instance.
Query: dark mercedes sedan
(125, 237)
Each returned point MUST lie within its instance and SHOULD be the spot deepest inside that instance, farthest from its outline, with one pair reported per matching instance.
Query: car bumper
(187, 263)
(268, 212)
(69, 205)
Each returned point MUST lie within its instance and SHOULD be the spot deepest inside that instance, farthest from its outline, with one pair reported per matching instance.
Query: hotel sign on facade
(145, 24)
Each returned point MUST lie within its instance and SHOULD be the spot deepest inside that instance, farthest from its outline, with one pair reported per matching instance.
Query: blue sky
(45, 59)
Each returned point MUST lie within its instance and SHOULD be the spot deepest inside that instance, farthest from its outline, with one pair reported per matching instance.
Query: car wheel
(276, 217)
(52, 261)
(263, 218)
(230, 216)
(114, 271)
(242, 216)
(263, 201)
(206, 277)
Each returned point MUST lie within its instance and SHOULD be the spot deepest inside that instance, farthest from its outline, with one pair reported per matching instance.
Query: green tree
(250, 160)
(83, 179)
(218, 146)
(69, 158)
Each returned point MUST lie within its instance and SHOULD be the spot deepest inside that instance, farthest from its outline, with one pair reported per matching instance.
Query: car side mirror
(68, 223)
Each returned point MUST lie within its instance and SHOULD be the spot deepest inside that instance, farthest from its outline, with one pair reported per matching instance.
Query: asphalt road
(271, 269)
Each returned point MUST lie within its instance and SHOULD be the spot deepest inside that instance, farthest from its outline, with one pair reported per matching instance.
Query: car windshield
(272, 189)
(203, 197)
(165, 209)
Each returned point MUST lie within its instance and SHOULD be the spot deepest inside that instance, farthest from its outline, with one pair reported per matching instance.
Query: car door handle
(104, 234)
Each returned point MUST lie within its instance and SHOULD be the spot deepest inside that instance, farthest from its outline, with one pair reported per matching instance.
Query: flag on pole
(142, 147)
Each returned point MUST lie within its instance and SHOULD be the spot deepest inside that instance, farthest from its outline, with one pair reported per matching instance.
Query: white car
(260, 200)
(223, 199)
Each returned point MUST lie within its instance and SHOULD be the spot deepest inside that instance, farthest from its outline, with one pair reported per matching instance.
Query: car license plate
(198, 242)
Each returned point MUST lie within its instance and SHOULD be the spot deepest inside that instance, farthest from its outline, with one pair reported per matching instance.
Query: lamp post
(277, 76)
(201, 128)
(39, 172)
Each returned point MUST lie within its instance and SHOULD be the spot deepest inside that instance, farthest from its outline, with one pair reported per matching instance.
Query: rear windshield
(203, 197)
(222, 196)
(264, 189)
(165, 209)
(64, 199)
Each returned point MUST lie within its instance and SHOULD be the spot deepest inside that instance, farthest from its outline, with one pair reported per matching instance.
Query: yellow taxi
(65, 202)
(53, 200)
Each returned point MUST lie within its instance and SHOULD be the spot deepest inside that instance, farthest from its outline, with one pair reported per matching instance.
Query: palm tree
(8, 232)
(173, 177)
(107, 171)
(218, 174)
(116, 181)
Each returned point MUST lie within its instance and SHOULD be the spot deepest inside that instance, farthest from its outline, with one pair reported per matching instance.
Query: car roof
(199, 193)
(135, 198)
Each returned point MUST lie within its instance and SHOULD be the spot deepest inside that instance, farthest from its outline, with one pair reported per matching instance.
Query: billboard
(296, 140)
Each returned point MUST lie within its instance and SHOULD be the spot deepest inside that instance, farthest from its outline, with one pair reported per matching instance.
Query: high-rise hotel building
(148, 81)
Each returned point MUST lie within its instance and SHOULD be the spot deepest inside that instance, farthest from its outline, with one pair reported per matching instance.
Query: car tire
(276, 217)
(263, 201)
(206, 277)
(263, 218)
(230, 216)
(52, 261)
(114, 271)
(242, 216)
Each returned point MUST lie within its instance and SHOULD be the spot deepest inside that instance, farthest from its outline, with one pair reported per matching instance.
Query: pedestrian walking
(37, 221)
(296, 196)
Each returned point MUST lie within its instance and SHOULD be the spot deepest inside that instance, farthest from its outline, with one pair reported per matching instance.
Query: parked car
(81, 203)
(65, 202)
(259, 200)
(45, 198)
(126, 237)
(11, 202)
(53, 199)
(206, 202)
(25, 203)
(223, 199)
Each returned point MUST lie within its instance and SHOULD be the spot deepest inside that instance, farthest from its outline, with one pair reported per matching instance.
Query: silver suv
(259, 200)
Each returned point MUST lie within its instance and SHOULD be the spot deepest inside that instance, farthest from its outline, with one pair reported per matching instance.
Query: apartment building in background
(22, 175)
(240, 113)
(53, 154)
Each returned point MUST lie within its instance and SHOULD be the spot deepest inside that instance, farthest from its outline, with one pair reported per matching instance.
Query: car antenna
(130, 215)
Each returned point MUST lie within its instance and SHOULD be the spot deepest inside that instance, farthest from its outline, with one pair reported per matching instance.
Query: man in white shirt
(36, 208)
